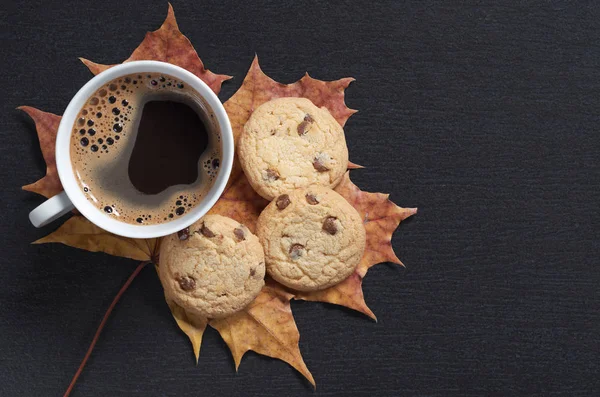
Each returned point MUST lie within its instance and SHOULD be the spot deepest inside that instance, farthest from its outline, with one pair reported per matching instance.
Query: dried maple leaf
(266, 326)
(46, 125)
(168, 44)
(381, 217)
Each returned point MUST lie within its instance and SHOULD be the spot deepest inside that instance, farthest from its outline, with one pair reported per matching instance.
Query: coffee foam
(103, 139)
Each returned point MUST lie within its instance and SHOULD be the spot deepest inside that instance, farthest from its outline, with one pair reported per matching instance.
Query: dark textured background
(486, 117)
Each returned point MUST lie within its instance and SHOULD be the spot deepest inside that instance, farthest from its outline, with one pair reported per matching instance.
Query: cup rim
(69, 181)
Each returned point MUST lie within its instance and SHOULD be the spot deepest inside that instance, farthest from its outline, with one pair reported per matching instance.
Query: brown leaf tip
(283, 201)
(296, 251)
(184, 234)
(330, 225)
(271, 175)
(206, 232)
(239, 233)
(311, 199)
(186, 283)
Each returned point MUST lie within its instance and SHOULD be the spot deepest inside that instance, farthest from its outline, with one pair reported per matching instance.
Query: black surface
(486, 117)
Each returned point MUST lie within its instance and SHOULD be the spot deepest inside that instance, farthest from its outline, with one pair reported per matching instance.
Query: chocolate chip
(272, 175)
(303, 128)
(330, 226)
(184, 234)
(223, 294)
(296, 251)
(311, 199)
(319, 164)
(283, 201)
(305, 125)
(186, 283)
(206, 232)
(252, 272)
(239, 233)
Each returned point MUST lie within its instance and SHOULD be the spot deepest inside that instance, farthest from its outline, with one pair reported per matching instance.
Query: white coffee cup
(73, 196)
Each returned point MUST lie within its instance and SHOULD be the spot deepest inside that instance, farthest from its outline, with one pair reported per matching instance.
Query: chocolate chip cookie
(290, 143)
(312, 237)
(213, 268)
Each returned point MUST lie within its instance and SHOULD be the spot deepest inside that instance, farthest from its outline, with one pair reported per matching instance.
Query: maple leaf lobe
(265, 326)
(46, 125)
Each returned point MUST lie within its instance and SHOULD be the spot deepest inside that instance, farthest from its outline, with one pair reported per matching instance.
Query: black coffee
(144, 149)
(173, 136)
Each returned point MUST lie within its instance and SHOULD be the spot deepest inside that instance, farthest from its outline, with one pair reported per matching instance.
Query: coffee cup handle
(51, 210)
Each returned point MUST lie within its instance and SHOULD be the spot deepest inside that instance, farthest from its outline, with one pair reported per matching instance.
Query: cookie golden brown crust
(290, 143)
(214, 268)
(312, 237)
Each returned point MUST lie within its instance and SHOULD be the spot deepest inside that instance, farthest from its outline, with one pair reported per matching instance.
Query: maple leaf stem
(137, 270)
